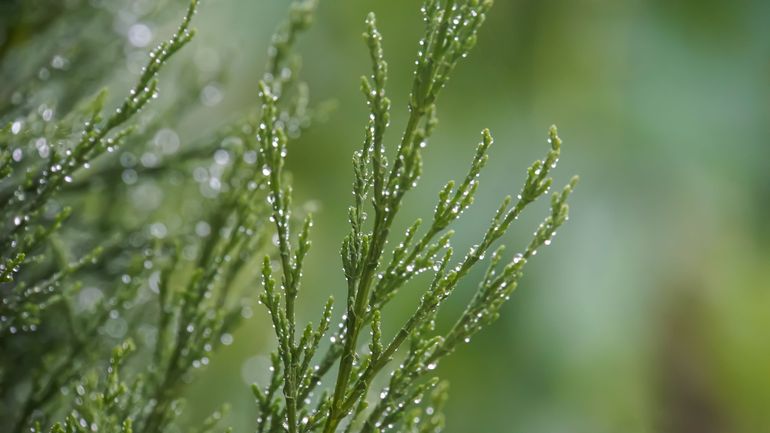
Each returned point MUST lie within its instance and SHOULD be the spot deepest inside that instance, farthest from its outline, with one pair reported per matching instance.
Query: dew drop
(226, 339)
(139, 35)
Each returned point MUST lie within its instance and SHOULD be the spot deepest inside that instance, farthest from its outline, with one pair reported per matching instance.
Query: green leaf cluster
(173, 297)
(381, 180)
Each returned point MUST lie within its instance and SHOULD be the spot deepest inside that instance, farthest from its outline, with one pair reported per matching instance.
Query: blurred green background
(651, 311)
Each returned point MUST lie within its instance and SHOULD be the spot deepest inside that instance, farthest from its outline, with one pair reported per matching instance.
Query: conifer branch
(174, 296)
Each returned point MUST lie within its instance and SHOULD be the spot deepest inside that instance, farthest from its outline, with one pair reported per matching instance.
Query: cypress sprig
(436, 59)
(65, 363)
(102, 406)
(451, 29)
(23, 225)
(275, 89)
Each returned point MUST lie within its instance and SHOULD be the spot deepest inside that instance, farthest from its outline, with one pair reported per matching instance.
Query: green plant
(372, 281)
(144, 278)
(185, 288)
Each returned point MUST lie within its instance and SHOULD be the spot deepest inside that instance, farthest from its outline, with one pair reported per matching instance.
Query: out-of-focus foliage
(166, 284)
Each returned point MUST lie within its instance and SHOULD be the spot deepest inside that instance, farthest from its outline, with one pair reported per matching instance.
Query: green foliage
(182, 289)
(450, 34)
(26, 194)
(193, 304)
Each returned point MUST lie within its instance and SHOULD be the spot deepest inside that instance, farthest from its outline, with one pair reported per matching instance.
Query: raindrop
(200, 174)
(59, 62)
(211, 95)
(221, 157)
(202, 229)
(129, 176)
(149, 159)
(42, 147)
(139, 35)
(127, 159)
(226, 339)
(158, 230)
(246, 312)
(250, 157)
(167, 140)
